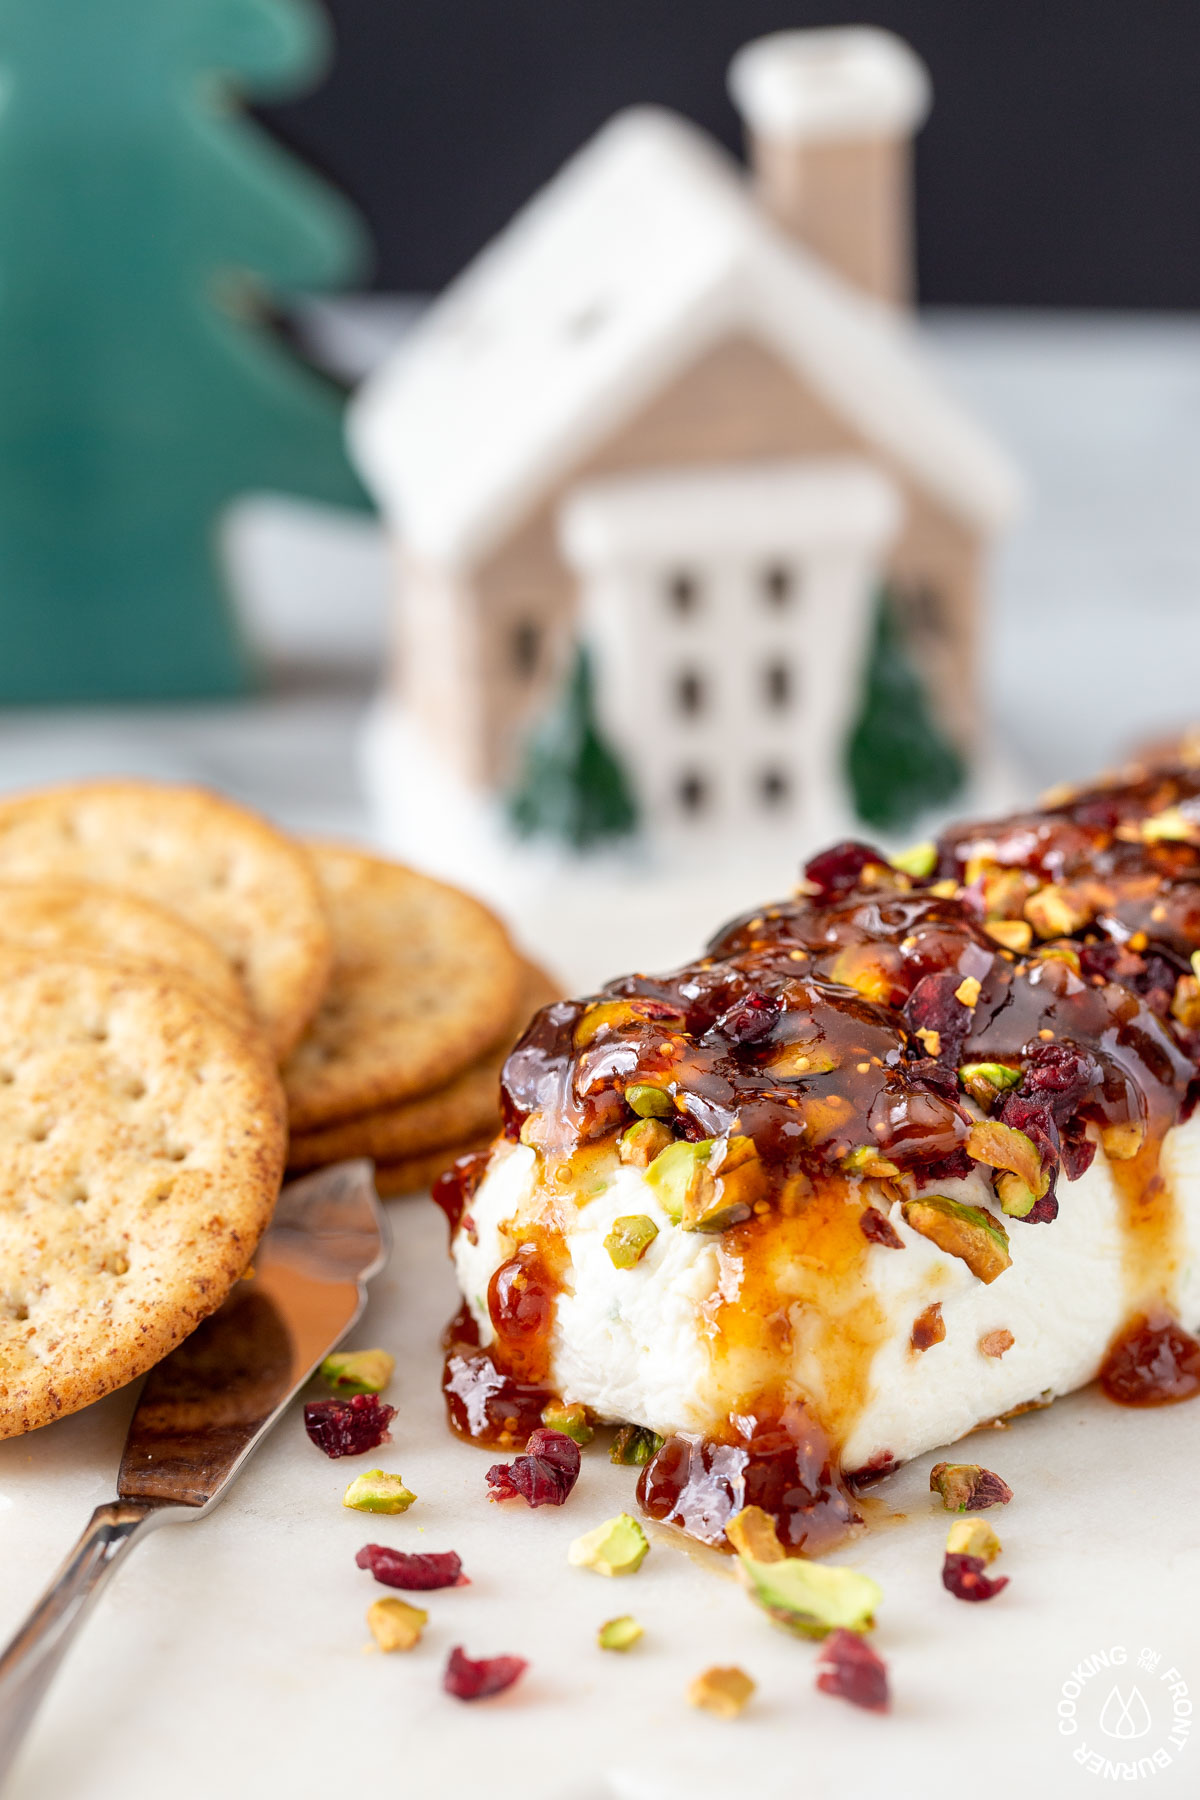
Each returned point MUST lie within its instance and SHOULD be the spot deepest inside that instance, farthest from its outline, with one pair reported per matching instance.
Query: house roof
(771, 508)
(644, 251)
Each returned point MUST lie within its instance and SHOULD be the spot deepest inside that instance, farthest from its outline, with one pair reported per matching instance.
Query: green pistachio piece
(358, 1371)
(969, 1232)
(792, 1062)
(378, 1492)
(1016, 1197)
(634, 1446)
(1004, 1147)
(619, 1634)
(648, 1101)
(972, 1537)
(965, 1487)
(724, 1194)
(618, 1547)
(395, 1625)
(1056, 912)
(571, 1420)
(985, 1080)
(1171, 826)
(623, 1015)
(676, 1170)
(643, 1142)
(630, 1238)
(810, 1598)
(1122, 1142)
(753, 1534)
(721, 1691)
(866, 1160)
(919, 860)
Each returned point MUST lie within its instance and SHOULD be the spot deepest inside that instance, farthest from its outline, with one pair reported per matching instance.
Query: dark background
(1060, 165)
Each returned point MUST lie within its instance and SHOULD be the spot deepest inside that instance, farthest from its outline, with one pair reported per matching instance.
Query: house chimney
(829, 118)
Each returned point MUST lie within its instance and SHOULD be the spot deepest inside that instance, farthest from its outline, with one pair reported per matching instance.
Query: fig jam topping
(1152, 1364)
(1001, 1005)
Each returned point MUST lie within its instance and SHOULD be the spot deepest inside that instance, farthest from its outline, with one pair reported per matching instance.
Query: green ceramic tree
(898, 762)
(572, 788)
(147, 226)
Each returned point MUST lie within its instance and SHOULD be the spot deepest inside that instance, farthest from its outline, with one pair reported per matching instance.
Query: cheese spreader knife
(205, 1408)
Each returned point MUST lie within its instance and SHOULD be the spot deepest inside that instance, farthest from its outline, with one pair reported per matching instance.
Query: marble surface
(231, 1655)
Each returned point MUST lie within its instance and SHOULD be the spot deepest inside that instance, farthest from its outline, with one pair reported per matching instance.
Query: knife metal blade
(210, 1403)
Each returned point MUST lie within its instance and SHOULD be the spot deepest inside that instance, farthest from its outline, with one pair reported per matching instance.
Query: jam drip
(1152, 1363)
(788, 1467)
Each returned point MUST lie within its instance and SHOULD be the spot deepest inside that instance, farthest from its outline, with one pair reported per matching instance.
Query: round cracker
(82, 919)
(413, 1174)
(424, 980)
(467, 1107)
(141, 1145)
(223, 869)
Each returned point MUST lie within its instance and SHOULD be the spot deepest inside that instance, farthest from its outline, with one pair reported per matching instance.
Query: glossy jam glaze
(830, 1031)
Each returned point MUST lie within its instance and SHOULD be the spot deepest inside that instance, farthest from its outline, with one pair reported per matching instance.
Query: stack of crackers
(176, 979)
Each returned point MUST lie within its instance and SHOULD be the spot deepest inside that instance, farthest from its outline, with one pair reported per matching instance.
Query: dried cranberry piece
(933, 1006)
(936, 1077)
(879, 1230)
(1076, 1149)
(750, 1020)
(837, 871)
(963, 1577)
(419, 1572)
(1061, 1076)
(1036, 1119)
(1042, 1212)
(349, 1427)
(544, 1476)
(468, 1680)
(853, 1671)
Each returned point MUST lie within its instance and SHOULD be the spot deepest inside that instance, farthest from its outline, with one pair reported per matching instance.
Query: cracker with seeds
(466, 1108)
(81, 919)
(424, 980)
(220, 867)
(142, 1140)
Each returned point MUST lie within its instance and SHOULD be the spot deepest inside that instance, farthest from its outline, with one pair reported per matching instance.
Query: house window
(774, 788)
(683, 593)
(525, 649)
(777, 685)
(692, 793)
(690, 693)
(778, 586)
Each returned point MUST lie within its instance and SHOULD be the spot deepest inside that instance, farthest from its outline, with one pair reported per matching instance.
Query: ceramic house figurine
(660, 373)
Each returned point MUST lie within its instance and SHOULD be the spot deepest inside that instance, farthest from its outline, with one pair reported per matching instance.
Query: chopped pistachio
(1171, 826)
(1195, 961)
(619, 1634)
(643, 1142)
(726, 1191)
(972, 1537)
(1017, 1199)
(395, 1625)
(931, 1039)
(752, 1533)
(571, 1420)
(1121, 1142)
(1005, 892)
(1010, 934)
(677, 1170)
(721, 1691)
(866, 1160)
(629, 1239)
(859, 966)
(378, 1492)
(1059, 951)
(648, 1101)
(793, 1061)
(1055, 912)
(985, 1080)
(358, 1371)
(919, 860)
(945, 890)
(618, 1547)
(1185, 1003)
(968, 990)
(634, 1446)
(619, 1015)
(1004, 1147)
(969, 1232)
(810, 1598)
(965, 1487)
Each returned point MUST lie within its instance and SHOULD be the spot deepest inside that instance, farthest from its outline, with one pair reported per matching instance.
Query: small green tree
(572, 788)
(899, 763)
(147, 228)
